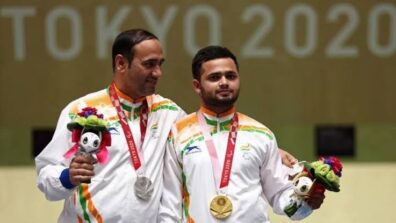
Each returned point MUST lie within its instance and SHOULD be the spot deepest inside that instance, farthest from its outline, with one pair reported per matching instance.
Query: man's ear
(197, 86)
(121, 63)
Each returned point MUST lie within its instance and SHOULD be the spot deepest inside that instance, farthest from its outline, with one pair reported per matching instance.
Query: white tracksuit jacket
(110, 196)
(257, 176)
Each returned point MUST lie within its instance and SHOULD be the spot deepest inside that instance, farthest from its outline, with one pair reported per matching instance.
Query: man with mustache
(127, 188)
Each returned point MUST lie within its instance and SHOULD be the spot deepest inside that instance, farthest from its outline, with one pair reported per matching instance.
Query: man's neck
(132, 97)
(218, 111)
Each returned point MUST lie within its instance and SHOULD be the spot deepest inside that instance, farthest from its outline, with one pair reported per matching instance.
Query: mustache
(152, 79)
(228, 90)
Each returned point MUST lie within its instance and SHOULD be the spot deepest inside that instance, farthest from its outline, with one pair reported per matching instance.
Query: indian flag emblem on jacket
(154, 130)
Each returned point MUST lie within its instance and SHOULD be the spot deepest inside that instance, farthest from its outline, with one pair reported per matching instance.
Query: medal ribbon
(125, 127)
(229, 155)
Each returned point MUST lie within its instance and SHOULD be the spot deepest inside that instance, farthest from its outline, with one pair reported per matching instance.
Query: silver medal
(143, 188)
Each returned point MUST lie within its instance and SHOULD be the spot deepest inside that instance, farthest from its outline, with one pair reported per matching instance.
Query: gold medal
(221, 207)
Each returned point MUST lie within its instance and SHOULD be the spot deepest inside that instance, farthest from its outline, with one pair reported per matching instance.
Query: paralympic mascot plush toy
(90, 136)
(325, 172)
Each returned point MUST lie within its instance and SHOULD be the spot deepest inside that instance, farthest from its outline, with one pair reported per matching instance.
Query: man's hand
(81, 170)
(287, 159)
(316, 196)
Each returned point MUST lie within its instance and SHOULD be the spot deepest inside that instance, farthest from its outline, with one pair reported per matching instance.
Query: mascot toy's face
(90, 141)
(302, 186)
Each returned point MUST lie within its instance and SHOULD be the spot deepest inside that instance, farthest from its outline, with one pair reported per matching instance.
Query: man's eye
(214, 77)
(153, 63)
(231, 76)
(150, 64)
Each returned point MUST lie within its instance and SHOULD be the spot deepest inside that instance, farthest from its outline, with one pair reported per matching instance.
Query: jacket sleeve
(276, 186)
(171, 201)
(50, 162)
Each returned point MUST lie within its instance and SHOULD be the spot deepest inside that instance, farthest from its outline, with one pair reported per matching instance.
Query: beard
(215, 102)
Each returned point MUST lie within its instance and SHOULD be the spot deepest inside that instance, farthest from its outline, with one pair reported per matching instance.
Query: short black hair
(125, 41)
(210, 53)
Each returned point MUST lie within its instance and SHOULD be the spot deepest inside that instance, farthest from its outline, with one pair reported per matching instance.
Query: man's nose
(157, 72)
(223, 82)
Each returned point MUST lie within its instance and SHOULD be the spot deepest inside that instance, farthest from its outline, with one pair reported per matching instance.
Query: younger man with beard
(220, 164)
